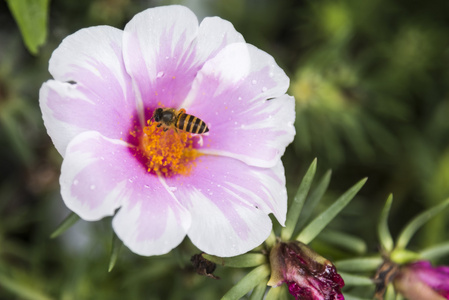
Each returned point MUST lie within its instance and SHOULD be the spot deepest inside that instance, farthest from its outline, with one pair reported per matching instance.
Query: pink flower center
(165, 153)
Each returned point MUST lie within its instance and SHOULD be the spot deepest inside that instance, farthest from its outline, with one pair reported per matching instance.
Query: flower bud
(420, 280)
(307, 274)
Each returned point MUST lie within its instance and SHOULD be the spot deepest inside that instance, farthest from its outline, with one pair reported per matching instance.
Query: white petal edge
(100, 43)
(213, 34)
(61, 133)
(224, 242)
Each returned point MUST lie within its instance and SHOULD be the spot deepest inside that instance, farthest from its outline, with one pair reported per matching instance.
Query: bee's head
(157, 115)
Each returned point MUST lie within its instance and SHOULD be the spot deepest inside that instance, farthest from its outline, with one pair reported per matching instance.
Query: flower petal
(232, 100)
(157, 49)
(213, 35)
(99, 175)
(435, 277)
(152, 223)
(420, 280)
(93, 175)
(164, 48)
(97, 95)
(229, 202)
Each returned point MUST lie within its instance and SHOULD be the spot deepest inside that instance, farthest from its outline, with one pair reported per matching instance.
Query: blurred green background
(371, 82)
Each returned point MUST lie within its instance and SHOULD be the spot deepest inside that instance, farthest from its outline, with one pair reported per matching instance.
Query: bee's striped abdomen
(191, 124)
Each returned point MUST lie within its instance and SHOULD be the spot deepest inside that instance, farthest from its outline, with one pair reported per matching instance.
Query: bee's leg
(159, 125)
(166, 128)
(176, 129)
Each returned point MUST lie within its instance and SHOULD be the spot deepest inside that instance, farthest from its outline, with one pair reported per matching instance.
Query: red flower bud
(307, 274)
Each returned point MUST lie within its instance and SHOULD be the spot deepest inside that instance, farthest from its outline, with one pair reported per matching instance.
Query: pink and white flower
(217, 188)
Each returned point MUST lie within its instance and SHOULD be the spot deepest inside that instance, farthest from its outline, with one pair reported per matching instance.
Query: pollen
(166, 153)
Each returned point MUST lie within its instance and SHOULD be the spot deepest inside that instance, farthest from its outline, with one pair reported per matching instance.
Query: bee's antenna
(152, 117)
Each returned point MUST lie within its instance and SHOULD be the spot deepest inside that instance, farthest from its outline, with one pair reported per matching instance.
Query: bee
(178, 119)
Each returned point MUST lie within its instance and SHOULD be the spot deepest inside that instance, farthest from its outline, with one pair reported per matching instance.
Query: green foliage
(22, 285)
(68, 222)
(359, 264)
(382, 229)
(247, 260)
(356, 280)
(31, 16)
(115, 251)
(315, 227)
(247, 283)
(418, 222)
(298, 202)
(435, 251)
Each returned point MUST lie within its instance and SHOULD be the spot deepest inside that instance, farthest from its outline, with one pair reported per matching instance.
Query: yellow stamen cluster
(166, 153)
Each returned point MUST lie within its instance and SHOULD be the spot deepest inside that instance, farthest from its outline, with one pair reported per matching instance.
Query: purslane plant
(398, 270)
(287, 258)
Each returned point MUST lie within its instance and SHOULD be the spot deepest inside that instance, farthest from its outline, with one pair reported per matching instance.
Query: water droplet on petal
(172, 188)
(92, 187)
(130, 180)
(264, 89)
(167, 57)
(254, 81)
(160, 74)
(240, 98)
(271, 74)
(75, 182)
(146, 186)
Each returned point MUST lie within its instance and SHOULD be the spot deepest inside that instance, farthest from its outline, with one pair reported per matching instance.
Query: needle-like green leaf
(390, 293)
(68, 222)
(382, 228)
(115, 251)
(31, 17)
(355, 280)
(351, 297)
(298, 202)
(276, 293)
(247, 283)
(435, 251)
(242, 261)
(343, 240)
(314, 199)
(317, 225)
(259, 291)
(364, 264)
(409, 230)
